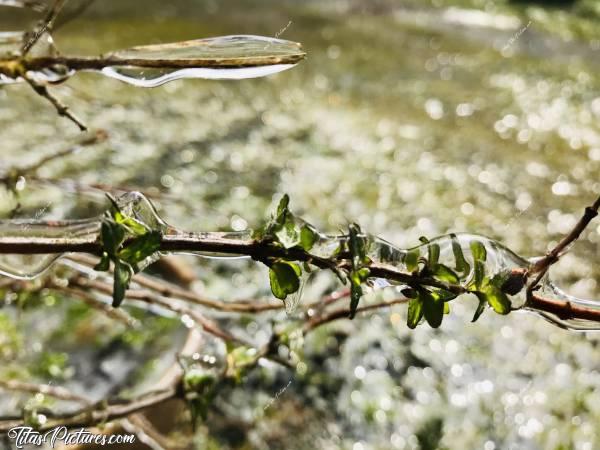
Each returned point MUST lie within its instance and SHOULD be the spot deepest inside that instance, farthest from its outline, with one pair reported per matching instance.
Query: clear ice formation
(499, 258)
(10, 46)
(218, 58)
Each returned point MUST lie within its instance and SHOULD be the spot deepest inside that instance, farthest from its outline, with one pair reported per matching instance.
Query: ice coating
(222, 51)
(292, 301)
(499, 259)
(219, 58)
(137, 205)
(549, 290)
(10, 47)
(31, 266)
(132, 204)
(149, 77)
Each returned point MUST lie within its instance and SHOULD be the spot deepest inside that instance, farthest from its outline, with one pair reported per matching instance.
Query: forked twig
(543, 264)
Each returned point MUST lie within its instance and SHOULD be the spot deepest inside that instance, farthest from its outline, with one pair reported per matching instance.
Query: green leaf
(123, 273)
(112, 236)
(277, 220)
(433, 254)
(462, 265)
(497, 299)
(500, 278)
(357, 245)
(134, 226)
(308, 237)
(444, 273)
(363, 274)
(287, 234)
(479, 274)
(443, 294)
(285, 278)
(478, 251)
(198, 380)
(258, 234)
(433, 309)
(282, 208)
(241, 356)
(141, 247)
(199, 392)
(415, 312)
(480, 307)
(412, 260)
(446, 308)
(104, 263)
(358, 274)
(355, 295)
(357, 277)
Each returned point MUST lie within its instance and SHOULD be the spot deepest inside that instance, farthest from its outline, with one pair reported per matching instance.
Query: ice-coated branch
(433, 273)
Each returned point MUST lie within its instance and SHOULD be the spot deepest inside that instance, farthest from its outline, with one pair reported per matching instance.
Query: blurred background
(409, 117)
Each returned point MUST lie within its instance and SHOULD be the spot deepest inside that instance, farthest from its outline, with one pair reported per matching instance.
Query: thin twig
(88, 140)
(46, 389)
(330, 299)
(150, 298)
(78, 186)
(45, 26)
(343, 313)
(563, 309)
(145, 432)
(170, 290)
(543, 264)
(101, 62)
(61, 108)
(101, 412)
(117, 314)
(165, 389)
